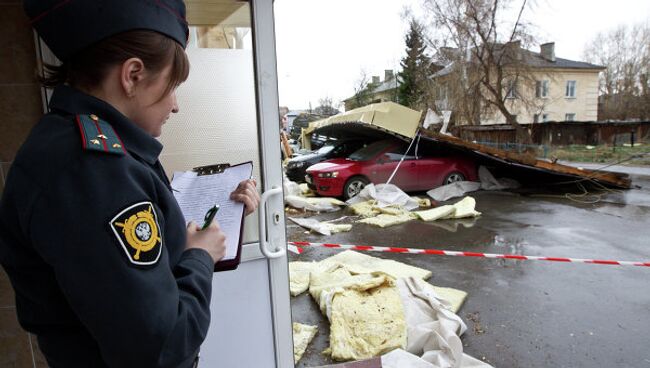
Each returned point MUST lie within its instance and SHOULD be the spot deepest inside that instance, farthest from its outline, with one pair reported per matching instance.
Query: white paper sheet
(197, 194)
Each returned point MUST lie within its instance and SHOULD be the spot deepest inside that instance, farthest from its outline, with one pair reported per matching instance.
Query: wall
(556, 105)
(20, 108)
(585, 105)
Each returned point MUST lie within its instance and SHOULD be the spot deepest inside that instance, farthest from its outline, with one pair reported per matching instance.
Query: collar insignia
(98, 135)
(136, 228)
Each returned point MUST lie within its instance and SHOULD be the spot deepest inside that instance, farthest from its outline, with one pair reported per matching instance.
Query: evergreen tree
(416, 66)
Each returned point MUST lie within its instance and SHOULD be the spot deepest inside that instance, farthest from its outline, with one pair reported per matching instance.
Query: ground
(527, 313)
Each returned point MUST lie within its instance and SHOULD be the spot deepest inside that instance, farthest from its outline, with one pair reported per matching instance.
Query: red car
(374, 164)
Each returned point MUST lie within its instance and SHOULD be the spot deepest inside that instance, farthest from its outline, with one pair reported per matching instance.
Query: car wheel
(354, 186)
(453, 177)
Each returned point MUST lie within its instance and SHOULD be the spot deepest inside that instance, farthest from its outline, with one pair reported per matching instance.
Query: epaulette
(98, 135)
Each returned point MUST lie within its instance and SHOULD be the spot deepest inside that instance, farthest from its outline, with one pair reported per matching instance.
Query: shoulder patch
(98, 135)
(137, 230)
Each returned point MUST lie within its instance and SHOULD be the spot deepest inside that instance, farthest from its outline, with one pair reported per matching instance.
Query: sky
(324, 46)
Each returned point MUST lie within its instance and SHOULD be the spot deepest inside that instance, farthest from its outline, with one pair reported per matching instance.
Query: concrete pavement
(527, 313)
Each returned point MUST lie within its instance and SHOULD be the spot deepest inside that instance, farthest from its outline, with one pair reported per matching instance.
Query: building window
(512, 89)
(570, 89)
(544, 118)
(541, 89)
(570, 117)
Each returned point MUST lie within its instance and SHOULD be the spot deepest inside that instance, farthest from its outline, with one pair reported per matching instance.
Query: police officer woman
(104, 269)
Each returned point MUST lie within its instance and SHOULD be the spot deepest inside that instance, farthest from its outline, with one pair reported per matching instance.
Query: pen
(209, 216)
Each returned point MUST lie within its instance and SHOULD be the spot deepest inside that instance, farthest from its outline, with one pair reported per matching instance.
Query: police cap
(68, 26)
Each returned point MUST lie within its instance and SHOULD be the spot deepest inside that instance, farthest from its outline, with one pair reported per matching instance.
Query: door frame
(266, 86)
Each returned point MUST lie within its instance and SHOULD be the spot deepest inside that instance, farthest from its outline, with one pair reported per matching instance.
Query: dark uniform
(94, 242)
(81, 285)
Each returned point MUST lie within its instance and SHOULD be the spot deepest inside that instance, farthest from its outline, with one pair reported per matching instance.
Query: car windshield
(324, 150)
(370, 151)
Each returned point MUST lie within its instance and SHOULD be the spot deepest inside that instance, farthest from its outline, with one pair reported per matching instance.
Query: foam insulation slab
(339, 277)
(364, 209)
(435, 213)
(302, 336)
(362, 263)
(366, 323)
(299, 276)
(454, 297)
(465, 208)
(385, 220)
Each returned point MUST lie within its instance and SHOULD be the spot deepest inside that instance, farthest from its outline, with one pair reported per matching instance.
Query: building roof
(533, 59)
(387, 85)
(536, 60)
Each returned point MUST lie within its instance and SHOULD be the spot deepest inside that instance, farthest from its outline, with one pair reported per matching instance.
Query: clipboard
(220, 182)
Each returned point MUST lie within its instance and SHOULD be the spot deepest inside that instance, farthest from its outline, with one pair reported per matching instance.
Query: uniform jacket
(93, 296)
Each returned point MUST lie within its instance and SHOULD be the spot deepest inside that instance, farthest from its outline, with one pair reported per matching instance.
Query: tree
(326, 107)
(486, 65)
(624, 88)
(414, 89)
(363, 88)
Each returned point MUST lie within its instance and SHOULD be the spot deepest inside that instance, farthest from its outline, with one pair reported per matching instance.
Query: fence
(560, 133)
(540, 150)
(579, 153)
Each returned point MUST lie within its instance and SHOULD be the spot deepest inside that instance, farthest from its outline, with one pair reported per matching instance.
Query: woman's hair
(88, 68)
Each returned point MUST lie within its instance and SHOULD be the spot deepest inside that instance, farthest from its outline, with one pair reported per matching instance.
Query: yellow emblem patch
(137, 230)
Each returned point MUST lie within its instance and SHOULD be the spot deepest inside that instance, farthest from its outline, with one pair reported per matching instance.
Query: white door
(229, 113)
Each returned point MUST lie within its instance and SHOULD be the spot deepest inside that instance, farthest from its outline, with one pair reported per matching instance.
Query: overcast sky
(323, 45)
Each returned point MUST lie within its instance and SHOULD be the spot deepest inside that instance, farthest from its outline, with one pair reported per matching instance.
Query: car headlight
(300, 163)
(332, 174)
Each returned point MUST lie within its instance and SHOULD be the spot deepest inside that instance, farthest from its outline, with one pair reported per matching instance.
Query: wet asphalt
(526, 313)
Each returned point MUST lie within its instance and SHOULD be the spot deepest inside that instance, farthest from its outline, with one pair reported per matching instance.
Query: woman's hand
(246, 193)
(211, 239)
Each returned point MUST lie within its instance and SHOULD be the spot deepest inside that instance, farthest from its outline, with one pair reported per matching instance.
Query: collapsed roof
(389, 119)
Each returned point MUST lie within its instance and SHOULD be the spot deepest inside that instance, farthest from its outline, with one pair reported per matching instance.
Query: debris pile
(382, 205)
(379, 307)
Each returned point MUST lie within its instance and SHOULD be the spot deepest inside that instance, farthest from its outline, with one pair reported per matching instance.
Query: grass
(602, 154)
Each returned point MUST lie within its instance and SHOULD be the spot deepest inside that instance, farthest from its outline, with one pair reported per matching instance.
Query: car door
(431, 173)
(384, 166)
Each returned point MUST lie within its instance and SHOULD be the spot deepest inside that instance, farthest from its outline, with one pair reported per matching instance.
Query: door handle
(265, 246)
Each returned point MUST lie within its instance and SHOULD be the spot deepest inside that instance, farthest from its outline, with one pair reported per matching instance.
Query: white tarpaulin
(433, 331)
(459, 188)
(489, 182)
(323, 228)
(453, 190)
(385, 195)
